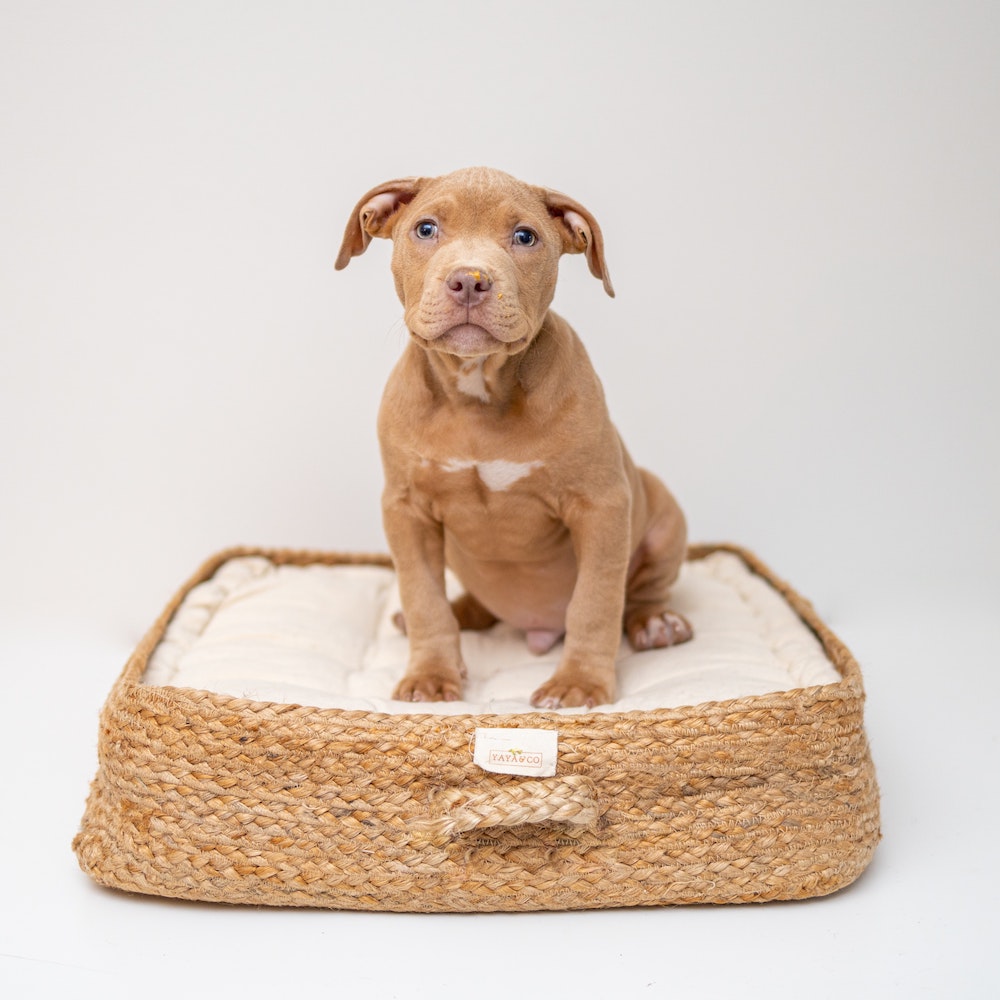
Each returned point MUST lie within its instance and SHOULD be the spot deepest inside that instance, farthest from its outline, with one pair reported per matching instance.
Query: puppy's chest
(464, 476)
(454, 454)
(490, 507)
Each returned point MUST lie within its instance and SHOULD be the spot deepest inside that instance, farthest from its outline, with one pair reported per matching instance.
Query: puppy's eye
(525, 237)
(426, 230)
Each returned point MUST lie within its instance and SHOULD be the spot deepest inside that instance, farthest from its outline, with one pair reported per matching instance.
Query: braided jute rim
(204, 796)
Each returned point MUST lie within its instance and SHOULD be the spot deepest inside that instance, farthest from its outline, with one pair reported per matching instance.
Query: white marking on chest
(457, 465)
(472, 381)
(497, 475)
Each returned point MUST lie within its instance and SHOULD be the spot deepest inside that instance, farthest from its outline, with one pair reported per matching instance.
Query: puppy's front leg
(586, 675)
(435, 668)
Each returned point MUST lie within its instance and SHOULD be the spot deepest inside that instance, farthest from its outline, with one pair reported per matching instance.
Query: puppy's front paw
(435, 683)
(573, 687)
(654, 631)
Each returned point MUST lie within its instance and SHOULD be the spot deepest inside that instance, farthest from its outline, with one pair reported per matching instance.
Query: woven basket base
(201, 796)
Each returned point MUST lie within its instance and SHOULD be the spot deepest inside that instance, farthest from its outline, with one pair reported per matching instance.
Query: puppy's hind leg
(649, 622)
(468, 612)
(471, 615)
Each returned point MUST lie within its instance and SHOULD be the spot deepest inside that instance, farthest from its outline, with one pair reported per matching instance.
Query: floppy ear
(373, 215)
(581, 234)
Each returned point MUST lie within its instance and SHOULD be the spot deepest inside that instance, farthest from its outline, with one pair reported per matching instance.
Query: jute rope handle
(571, 799)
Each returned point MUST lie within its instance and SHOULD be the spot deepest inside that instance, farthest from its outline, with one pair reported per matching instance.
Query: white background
(801, 206)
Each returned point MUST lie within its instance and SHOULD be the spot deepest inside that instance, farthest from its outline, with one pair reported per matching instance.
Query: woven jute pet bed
(207, 796)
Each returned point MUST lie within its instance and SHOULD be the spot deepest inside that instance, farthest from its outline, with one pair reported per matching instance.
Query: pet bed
(250, 752)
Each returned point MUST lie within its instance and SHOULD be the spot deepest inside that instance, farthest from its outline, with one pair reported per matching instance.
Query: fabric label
(517, 751)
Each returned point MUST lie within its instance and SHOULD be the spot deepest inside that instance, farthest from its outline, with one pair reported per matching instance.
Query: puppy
(501, 461)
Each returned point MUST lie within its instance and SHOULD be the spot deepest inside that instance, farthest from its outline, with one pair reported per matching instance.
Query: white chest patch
(498, 475)
(472, 382)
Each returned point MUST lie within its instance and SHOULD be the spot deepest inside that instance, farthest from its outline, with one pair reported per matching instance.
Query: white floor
(802, 220)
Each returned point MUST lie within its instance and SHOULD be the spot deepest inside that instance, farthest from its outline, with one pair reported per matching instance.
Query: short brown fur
(501, 461)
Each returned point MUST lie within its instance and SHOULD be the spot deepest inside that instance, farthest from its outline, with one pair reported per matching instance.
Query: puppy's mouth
(466, 340)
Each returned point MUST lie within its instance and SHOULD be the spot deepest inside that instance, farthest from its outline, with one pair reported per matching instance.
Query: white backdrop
(801, 210)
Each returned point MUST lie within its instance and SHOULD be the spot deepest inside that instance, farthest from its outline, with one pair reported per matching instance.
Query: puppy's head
(475, 255)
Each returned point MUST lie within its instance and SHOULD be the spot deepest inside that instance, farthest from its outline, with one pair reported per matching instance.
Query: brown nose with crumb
(468, 286)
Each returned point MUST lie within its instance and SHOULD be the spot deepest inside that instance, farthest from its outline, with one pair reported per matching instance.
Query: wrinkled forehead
(484, 199)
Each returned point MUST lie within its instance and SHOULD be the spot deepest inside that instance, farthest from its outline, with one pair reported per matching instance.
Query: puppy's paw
(654, 631)
(574, 688)
(430, 684)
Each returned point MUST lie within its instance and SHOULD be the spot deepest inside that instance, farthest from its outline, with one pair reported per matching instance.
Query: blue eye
(426, 230)
(525, 237)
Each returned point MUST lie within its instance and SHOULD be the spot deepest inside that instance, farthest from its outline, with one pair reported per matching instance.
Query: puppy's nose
(468, 285)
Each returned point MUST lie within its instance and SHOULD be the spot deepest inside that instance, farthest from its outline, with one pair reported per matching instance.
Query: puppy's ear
(580, 233)
(373, 216)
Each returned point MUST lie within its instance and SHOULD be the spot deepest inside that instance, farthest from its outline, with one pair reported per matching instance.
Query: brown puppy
(500, 458)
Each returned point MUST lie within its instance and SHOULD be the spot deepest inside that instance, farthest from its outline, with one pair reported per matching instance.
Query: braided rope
(571, 800)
